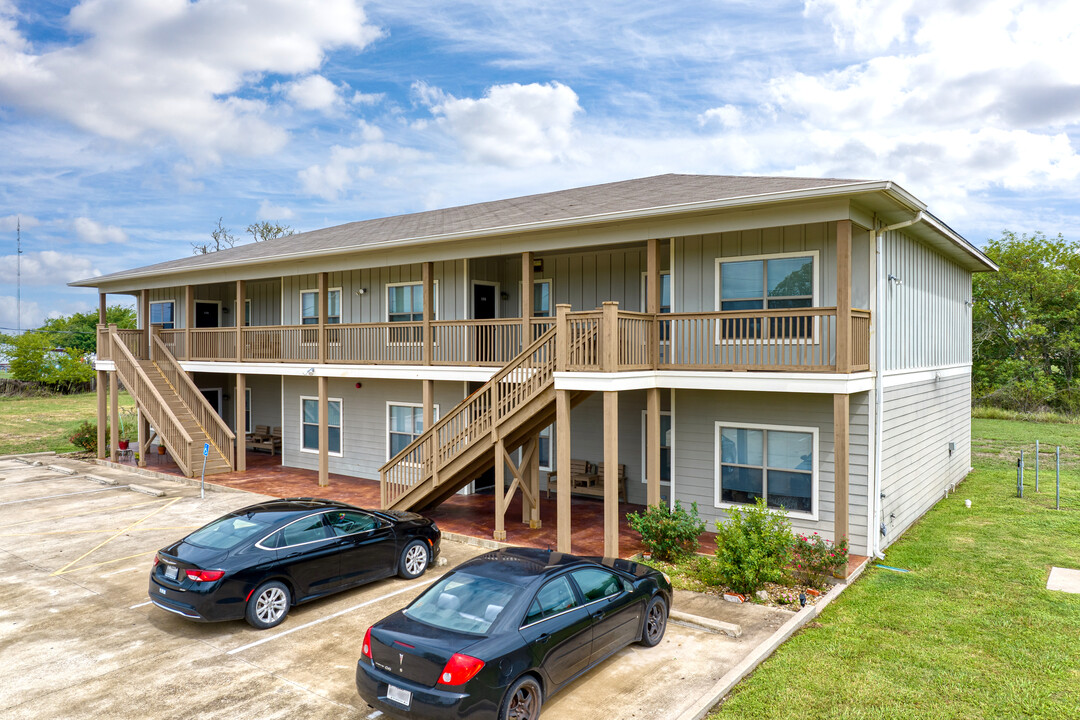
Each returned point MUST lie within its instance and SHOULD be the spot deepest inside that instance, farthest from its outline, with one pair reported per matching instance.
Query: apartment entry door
(484, 299)
(206, 314)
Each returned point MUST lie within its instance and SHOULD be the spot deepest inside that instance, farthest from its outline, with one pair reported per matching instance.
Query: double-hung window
(776, 463)
(404, 423)
(405, 303)
(162, 313)
(309, 307)
(772, 282)
(309, 425)
(665, 446)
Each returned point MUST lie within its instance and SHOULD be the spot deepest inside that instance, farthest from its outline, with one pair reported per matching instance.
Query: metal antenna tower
(18, 275)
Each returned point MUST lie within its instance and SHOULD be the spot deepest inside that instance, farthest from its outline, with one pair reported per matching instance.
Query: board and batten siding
(927, 321)
(265, 296)
(364, 419)
(370, 307)
(694, 418)
(919, 421)
(694, 274)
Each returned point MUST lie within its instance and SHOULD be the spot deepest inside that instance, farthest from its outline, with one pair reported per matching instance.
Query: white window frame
(644, 300)
(551, 296)
(434, 291)
(644, 445)
(247, 312)
(392, 403)
(815, 475)
(341, 427)
(248, 427)
(815, 300)
(163, 302)
(550, 430)
(315, 292)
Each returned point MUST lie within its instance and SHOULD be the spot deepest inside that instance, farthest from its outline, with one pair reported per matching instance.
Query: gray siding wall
(920, 420)
(694, 420)
(927, 322)
(265, 296)
(695, 261)
(364, 419)
(371, 306)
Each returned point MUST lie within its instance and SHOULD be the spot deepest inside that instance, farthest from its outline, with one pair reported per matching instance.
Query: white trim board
(895, 378)
(829, 384)
(375, 372)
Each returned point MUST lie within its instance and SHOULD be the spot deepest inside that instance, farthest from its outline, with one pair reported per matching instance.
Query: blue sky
(128, 127)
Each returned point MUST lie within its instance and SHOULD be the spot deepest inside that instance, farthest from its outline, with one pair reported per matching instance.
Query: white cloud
(314, 92)
(31, 314)
(172, 68)
(349, 164)
(269, 211)
(47, 267)
(11, 222)
(94, 233)
(368, 98)
(515, 125)
(727, 116)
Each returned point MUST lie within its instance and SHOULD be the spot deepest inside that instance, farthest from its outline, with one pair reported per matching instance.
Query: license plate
(171, 572)
(398, 695)
(162, 591)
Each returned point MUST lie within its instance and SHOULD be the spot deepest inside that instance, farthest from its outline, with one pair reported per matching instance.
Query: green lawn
(44, 423)
(971, 631)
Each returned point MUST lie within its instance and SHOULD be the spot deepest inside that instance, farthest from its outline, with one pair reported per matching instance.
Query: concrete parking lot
(79, 638)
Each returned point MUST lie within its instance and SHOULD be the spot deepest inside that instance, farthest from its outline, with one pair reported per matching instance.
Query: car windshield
(463, 602)
(228, 532)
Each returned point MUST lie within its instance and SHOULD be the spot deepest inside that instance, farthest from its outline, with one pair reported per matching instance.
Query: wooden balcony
(798, 340)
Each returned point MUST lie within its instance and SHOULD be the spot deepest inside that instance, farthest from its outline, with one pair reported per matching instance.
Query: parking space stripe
(50, 497)
(148, 602)
(167, 503)
(98, 532)
(106, 562)
(52, 518)
(339, 613)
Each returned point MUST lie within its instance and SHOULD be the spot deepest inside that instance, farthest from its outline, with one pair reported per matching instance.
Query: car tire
(523, 700)
(652, 632)
(268, 605)
(414, 560)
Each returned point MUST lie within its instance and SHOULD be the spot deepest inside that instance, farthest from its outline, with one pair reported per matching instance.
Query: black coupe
(258, 562)
(502, 632)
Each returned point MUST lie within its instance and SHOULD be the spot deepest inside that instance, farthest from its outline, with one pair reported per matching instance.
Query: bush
(85, 437)
(818, 558)
(752, 547)
(668, 534)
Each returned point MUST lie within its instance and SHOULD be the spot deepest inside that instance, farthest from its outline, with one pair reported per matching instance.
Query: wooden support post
(427, 276)
(324, 433)
(500, 490)
(324, 303)
(609, 345)
(189, 319)
(429, 404)
(527, 300)
(652, 446)
(240, 293)
(102, 410)
(652, 297)
(611, 473)
(530, 478)
(144, 438)
(843, 296)
(840, 467)
(144, 343)
(241, 423)
(102, 309)
(562, 467)
(562, 338)
(114, 417)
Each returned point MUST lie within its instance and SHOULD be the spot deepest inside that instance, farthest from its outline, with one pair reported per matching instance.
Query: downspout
(879, 371)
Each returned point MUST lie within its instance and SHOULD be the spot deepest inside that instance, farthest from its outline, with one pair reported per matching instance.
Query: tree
(78, 331)
(34, 358)
(266, 230)
(221, 239)
(1026, 324)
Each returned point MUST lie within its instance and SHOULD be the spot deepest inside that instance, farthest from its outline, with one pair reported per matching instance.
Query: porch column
(611, 474)
(240, 292)
(324, 432)
(429, 404)
(500, 490)
(102, 309)
(609, 345)
(652, 446)
(144, 438)
(144, 342)
(114, 417)
(189, 320)
(324, 303)
(843, 296)
(562, 465)
(530, 511)
(840, 465)
(241, 423)
(102, 410)
(427, 271)
(526, 298)
(652, 297)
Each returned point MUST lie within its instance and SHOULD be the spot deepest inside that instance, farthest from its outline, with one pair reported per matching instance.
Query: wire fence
(1039, 474)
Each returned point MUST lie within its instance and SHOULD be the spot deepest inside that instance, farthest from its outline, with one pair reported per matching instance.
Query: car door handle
(542, 637)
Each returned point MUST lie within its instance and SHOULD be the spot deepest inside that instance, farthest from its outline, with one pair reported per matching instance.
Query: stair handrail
(143, 390)
(220, 435)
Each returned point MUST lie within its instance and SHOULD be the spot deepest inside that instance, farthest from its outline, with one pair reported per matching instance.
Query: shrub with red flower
(818, 558)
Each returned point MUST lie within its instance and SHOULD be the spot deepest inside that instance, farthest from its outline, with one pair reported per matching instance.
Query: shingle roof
(658, 191)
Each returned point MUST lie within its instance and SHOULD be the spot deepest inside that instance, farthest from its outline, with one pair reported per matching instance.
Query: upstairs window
(405, 303)
(162, 313)
(309, 307)
(769, 283)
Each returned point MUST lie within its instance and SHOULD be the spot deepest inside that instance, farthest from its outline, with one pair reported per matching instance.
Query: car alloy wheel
(414, 559)
(655, 622)
(268, 605)
(523, 701)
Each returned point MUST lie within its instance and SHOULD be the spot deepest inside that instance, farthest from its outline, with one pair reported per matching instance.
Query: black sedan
(504, 631)
(258, 562)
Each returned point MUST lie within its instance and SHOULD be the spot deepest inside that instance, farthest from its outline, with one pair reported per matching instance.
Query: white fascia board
(376, 372)
(823, 383)
(895, 378)
(105, 365)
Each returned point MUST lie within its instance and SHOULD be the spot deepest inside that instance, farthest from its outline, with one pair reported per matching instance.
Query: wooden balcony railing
(797, 340)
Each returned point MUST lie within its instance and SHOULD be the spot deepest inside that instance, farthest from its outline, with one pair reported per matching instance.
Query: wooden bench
(265, 439)
(583, 482)
(579, 476)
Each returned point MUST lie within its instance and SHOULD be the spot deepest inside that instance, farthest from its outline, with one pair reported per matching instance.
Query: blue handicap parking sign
(205, 449)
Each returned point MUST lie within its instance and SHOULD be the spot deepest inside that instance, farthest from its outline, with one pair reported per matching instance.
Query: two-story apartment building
(705, 339)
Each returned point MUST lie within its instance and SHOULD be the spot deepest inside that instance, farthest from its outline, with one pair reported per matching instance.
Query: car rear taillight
(460, 669)
(365, 649)
(156, 560)
(204, 575)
